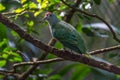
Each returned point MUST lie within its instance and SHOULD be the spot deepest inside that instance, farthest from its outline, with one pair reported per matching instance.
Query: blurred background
(28, 15)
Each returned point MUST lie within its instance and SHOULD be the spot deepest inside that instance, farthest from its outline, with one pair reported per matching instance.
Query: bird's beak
(43, 19)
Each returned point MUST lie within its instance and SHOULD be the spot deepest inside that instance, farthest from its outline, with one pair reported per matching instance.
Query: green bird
(65, 33)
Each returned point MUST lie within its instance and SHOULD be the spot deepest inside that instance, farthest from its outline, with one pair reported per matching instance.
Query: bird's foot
(88, 55)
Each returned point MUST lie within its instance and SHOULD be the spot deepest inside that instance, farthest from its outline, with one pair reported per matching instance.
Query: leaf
(23, 1)
(30, 23)
(97, 2)
(2, 63)
(19, 10)
(32, 5)
(58, 45)
(43, 71)
(118, 76)
(14, 33)
(38, 1)
(66, 69)
(80, 72)
(3, 32)
(17, 59)
(5, 56)
(1, 76)
(55, 1)
(55, 77)
(4, 43)
(112, 55)
(37, 12)
(2, 7)
(14, 57)
(88, 31)
(44, 4)
(103, 75)
(111, 1)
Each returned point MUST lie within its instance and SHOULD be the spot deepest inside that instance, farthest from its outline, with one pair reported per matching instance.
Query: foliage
(27, 14)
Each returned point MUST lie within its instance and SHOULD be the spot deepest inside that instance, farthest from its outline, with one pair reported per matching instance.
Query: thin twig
(38, 62)
(9, 73)
(94, 15)
(104, 50)
(13, 14)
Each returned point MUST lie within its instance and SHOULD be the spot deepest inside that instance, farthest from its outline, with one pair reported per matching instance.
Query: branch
(33, 67)
(104, 50)
(94, 15)
(60, 53)
(37, 62)
(13, 14)
(72, 11)
(60, 59)
(8, 73)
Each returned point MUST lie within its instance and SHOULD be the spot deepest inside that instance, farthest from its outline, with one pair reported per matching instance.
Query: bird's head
(50, 17)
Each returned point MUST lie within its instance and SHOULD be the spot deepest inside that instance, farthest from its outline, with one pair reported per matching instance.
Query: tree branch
(94, 15)
(71, 12)
(37, 62)
(60, 53)
(8, 73)
(60, 59)
(104, 50)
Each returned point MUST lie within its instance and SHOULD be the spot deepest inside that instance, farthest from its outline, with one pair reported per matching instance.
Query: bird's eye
(50, 15)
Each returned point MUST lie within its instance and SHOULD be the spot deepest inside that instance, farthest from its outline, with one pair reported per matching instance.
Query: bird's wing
(65, 32)
(69, 36)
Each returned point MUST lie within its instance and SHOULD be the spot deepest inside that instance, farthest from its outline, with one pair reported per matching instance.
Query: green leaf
(17, 59)
(14, 33)
(3, 32)
(97, 2)
(30, 23)
(81, 71)
(2, 63)
(4, 44)
(37, 12)
(32, 5)
(5, 56)
(19, 10)
(44, 4)
(111, 1)
(2, 7)
(118, 76)
(39, 1)
(66, 69)
(79, 27)
(54, 1)
(43, 71)
(23, 1)
(58, 45)
(1, 76)
(112, 55)
(55, 77)
(14, 57)
(103, 75)
(88, 31)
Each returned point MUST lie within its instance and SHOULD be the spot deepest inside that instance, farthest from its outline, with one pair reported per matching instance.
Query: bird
(65, 33)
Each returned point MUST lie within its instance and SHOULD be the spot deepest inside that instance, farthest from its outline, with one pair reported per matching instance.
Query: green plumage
(66, 34)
